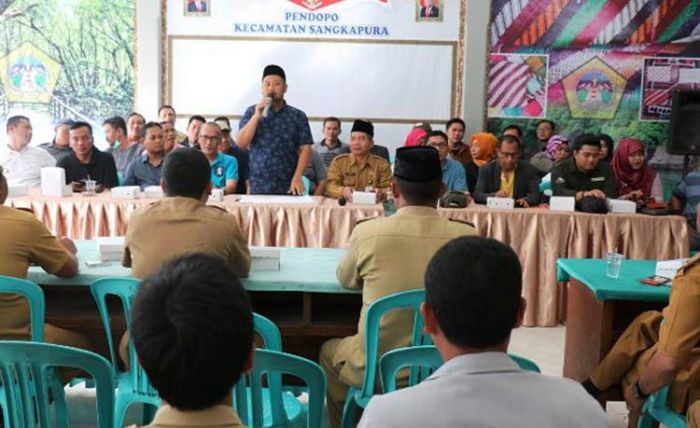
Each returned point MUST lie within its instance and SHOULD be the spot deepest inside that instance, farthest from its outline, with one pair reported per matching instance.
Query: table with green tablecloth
(303, 297)
(599, 308)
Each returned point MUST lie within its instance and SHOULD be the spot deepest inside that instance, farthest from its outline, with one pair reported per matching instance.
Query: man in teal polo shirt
(224, 168)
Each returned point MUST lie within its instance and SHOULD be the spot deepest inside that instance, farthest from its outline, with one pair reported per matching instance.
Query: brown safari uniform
(375, 264)
(677, 336)
(24, 240)
(175, 226)
(694, 415)
(346, 172)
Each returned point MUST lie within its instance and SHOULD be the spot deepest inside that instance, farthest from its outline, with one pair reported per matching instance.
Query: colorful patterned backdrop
(597, 53)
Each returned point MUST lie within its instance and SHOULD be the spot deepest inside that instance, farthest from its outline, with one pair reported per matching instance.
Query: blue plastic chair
(359, 397)
(656, 409)
(133, 385)
(274, 364)
(426, 357)
(26, 369)
(429, 359)
(278, 407)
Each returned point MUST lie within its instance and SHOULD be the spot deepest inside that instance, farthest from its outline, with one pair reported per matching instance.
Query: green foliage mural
(87, 44)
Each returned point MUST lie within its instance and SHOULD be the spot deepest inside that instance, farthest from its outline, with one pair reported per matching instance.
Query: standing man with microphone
(278, 137)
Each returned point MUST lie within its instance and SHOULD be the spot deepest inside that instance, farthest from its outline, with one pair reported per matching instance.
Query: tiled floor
(543, 345)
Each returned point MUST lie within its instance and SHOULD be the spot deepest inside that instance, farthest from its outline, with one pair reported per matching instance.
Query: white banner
(394, 62)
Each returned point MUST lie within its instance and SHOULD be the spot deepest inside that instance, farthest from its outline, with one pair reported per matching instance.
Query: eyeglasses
(206, 138)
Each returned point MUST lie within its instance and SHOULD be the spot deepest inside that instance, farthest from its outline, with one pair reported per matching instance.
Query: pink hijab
(413, 138)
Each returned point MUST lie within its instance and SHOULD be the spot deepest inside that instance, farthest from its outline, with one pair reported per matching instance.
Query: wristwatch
(637, 391)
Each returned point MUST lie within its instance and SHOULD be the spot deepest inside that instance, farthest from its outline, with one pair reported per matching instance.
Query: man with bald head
(224, 168)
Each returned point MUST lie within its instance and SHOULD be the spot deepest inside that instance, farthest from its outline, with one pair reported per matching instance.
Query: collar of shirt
(93, 156)
(144, 159)
(481, 362)
(218, 159)
(218, 415)
(368, 162)
(417, 210)
(338, 144)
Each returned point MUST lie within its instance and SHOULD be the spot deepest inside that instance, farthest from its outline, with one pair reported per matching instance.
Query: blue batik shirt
(274, 151)
(223, 168)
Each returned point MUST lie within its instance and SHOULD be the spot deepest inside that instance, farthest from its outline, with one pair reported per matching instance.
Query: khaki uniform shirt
(694, 415)
(388, 255)
(679, 336)
(346, 172)
(175, 226)
(23, 240)
(216, 416)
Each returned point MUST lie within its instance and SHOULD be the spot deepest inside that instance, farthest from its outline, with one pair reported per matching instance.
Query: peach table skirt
(540, 236)
(323, 224)
(537, 235)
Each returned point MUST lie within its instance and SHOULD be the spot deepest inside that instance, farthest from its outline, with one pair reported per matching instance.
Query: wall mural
(64, 59)
(612, 64)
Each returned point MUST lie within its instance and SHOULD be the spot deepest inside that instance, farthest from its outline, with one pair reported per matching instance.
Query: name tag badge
(598, 179)
(219, 171)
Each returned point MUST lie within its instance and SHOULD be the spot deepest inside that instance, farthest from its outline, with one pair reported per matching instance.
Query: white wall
(392, 135)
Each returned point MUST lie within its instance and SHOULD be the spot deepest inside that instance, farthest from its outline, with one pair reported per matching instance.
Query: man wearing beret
(386, 256)
(278, 137)
(358, 170)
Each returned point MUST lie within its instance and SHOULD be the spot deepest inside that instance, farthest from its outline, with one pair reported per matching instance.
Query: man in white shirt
(470, 309)
(22, 163)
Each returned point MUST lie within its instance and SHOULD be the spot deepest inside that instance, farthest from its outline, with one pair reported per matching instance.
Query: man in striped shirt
(330, 146)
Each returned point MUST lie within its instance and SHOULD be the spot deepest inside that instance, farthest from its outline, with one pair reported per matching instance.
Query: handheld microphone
(342, 201)
(266, 110)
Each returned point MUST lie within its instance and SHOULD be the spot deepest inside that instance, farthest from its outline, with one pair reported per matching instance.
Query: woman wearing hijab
(418, 136)
(635, 179)
(483, 147)
(557, 150)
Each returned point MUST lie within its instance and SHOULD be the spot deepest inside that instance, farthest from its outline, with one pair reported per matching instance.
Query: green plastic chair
(359, 397)
(307, 184)
(35, 297)
(427, 358)
(274, 397)
(656, 409)
(525, 363)
(26, 369)
(133, 385)
(273, 363)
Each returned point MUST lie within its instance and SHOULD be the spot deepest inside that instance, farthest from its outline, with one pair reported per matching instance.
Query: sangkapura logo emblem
(318, 4)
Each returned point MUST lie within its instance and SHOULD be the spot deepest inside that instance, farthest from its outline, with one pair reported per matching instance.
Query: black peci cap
(417, 164)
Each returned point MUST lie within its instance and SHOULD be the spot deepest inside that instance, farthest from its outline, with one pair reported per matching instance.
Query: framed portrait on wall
(197, 7)
(428, 10)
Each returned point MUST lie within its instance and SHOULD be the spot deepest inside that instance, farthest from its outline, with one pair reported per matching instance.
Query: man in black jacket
(507, 177)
